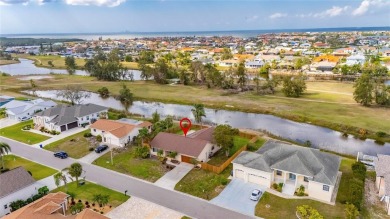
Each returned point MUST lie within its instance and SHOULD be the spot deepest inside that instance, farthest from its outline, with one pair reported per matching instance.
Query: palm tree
(198, 112)
(4, 149)
(58, 177)
(103, 200)
(75, 170)
(143, 134)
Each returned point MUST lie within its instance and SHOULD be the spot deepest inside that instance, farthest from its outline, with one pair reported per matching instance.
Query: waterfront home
(254, 64)
(323, 66)
(5, 99)
(120, 132)
(294, 166)
(229, 63)
(24, 110)
(198, 145)
(355, 59)
(64, 117)
(382, 181)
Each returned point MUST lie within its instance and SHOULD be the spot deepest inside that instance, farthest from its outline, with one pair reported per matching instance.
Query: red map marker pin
(186, 126)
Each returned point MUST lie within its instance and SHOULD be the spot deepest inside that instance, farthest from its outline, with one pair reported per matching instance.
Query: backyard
(125, 162)
(204, 184)
(88, 190)
(77, 146)
(38, 171)
(15, 132)
(220, 157)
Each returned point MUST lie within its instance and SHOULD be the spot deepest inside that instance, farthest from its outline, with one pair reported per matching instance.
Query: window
(5, 206)
(87, 117)
(154, 149)
(325, 188)
(278, 172)
(306, 179)
(94, 130)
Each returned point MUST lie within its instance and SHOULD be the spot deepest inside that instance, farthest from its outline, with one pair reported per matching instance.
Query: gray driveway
(7, 122)
(89, 158)
(170, 179)
(177, 201)
(236, 196)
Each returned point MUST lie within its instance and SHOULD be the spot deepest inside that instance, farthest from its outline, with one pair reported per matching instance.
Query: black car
(101, 148)
(61, 154)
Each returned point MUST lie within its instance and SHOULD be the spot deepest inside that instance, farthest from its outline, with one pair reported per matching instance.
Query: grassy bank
(327, 104)
(38, 171)
(7, 62)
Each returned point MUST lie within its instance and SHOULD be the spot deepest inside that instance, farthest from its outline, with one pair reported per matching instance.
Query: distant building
(24, 110)
(356, 59)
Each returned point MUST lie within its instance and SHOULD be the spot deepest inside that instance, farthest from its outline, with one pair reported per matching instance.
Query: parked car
(101, 148)
(255, 196)
(24, 119)
(61, 154)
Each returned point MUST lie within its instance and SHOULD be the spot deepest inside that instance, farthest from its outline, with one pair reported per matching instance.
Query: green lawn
(256, 145)
(15, 132)
(86, 192)
(125, 162)
(204, 184)
(38, 171)
(76, 149)
(346, 168)
(220, 157)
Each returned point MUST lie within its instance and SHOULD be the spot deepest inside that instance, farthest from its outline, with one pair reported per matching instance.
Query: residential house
(15, 184)
(64, 117)
(355, 59)
(229, 63)
(120, 132)
(254, 64)
(323, 66)
(5, 99)
(24, 110)
(52, 206)
(382, 181)
(198, 145)
(278, 162)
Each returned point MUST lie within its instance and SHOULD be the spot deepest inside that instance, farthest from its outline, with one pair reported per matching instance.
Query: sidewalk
(64, 134)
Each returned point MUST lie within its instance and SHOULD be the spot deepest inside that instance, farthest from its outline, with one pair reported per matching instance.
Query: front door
(292, 176)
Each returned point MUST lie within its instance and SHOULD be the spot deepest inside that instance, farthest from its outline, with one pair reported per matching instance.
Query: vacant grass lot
(220, 157)
(38, 171)
(204, 184)
(125, 162)
(77, 146)
(130, 65)
(328, 104)
(57, 61)
(86, 192)
(15, 132)
(285, 208)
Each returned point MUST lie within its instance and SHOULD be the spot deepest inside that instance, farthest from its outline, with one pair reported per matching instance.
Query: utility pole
(112, 162)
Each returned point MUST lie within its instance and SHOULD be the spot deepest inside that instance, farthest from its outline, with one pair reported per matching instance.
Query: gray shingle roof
(321, 166)
(14, 180)
(382, 169)
(64, 114)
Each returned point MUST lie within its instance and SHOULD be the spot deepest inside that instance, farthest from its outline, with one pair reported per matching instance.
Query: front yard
(204, 184)
(88, 190)
(76, 145)
(15, 132)
(220, 157)
(38, 171)
(125, 162)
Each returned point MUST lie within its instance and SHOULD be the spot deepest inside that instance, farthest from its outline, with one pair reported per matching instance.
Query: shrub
(381, 134)
(53, 132)
(141, 152)
(224, 181)
(307, 212)
(300, 191)
(42, 129)
(351, 212)
(121, 115)
(172, 154)
(359, 170)
(90, 149)
(104, 92)
(99, 138)
(275, 186)
(87, 135)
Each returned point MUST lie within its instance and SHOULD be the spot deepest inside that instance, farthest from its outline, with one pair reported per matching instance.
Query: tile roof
(382, 169)
(14, 180)
(117, 128)
(322, 167)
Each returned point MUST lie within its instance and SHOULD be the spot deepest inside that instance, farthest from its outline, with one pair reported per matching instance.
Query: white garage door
(239, 174)
(252, 178)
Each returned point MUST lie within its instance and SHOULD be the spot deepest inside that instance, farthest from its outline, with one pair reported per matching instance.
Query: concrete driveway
(89, 158)
(170, 179)
(236, 196)
(7, 122)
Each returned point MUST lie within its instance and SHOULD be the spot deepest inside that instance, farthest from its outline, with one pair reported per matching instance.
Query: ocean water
(235, 33)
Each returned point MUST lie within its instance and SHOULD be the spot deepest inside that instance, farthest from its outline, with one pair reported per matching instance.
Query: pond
(320, 137)
(27, 67)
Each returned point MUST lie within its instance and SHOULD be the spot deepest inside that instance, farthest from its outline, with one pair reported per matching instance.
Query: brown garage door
(185, 159)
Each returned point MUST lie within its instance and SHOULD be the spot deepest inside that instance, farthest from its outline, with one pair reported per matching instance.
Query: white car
(255, 196)
(24, 119)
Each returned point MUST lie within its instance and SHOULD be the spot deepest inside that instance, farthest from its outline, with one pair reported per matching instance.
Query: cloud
(108, 3)
(366, 5)
(332, 12)
(253, 18)
(12, 2)
(277, 15)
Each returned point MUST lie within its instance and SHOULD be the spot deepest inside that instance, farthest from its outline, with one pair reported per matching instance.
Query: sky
(96, 16)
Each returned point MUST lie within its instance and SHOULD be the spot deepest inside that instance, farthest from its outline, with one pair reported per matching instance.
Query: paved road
(189, 205)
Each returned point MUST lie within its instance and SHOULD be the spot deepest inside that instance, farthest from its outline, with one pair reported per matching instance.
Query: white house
(119, 132)
(355, 59)
(24, 110)
(63, 117)
(197, 145)
(382, 181)
(278, 162)
(254, 64)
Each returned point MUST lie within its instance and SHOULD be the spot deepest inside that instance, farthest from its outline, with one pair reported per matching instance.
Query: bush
(90, 149)
(121, 116)
(141, 152)
(99, 138)
(307, 212)
(87, 135)
(104, 92)
(300, 191)
(359, 170)
(53, 132)
(275, 186)
(381, 134)
(351, 212)
(172, 154)
(224, 181)
(42, 129)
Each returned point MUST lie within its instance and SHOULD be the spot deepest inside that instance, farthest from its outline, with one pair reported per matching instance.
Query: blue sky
(86, 16)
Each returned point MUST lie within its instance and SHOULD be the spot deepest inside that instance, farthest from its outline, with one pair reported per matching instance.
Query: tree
(155, 117)
(223, 137)
(146, 57)
(198, 112)
(4, 149)
(141, 152)
(32, 83)
(226, 54)
(128, 58)
(242, 77)
(351, 212)
(363, 90)
(77, 208)
(143, 134)
(70, 64)
(104, 92)
(43, 190)
(294, 86)
(74, 94)
(125, 96)
(61, 177)
(106, 67)
(257, 82)
(198, 72)
(75, 170)
(146, 71)
(102, 200)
